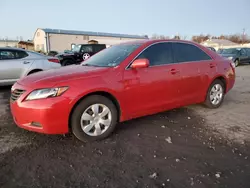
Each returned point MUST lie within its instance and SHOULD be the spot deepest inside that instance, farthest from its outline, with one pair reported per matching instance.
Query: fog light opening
(36, 124)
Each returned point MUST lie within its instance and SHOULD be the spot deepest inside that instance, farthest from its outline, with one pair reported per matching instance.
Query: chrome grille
(16, 94)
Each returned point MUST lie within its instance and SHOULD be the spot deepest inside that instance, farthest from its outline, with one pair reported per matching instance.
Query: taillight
(54, 60)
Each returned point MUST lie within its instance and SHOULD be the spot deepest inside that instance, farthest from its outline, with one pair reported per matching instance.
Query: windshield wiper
(90, 65)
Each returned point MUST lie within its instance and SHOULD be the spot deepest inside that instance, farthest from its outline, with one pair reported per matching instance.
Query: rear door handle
(26, 62)
(174, 71)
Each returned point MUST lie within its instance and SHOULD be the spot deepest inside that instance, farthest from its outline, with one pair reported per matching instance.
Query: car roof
(153, 41)
(11, 48)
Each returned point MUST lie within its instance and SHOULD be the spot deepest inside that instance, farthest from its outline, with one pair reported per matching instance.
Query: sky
(143, 17)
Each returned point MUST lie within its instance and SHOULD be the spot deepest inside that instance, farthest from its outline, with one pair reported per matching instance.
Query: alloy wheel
(216, 94)
(96, 119)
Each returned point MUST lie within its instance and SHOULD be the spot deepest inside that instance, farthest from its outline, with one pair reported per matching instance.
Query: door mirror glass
(140, 63)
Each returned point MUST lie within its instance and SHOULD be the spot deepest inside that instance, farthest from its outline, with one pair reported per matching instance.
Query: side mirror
(140, 63)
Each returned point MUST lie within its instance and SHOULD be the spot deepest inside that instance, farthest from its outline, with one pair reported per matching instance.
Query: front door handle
(174, 71)
(212, 65)
(26, 62)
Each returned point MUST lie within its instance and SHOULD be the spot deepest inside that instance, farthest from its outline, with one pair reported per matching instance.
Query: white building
(219, 43)
(9, 43)
(59, 40)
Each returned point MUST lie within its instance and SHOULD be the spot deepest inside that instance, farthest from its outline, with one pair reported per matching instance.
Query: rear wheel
(94, 118)
(68, 62)
(215, 94)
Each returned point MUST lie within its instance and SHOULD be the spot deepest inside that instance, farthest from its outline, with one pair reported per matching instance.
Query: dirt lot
(187, 147)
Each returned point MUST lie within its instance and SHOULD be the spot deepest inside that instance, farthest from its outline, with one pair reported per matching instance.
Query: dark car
(79, 53)
(237, 55)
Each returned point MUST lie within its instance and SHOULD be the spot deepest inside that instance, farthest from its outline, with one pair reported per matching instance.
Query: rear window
(187, 52)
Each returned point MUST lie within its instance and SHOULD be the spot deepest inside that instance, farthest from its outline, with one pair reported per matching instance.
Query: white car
(16, 63)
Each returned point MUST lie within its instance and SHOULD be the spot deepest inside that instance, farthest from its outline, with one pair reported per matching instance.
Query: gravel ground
(186, 147)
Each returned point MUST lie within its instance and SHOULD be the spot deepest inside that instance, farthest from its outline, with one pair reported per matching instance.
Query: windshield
(230, 51)
(112, 56)
(76, 48)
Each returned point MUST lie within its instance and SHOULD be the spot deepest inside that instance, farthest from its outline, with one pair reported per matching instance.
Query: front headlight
(230, 58)
(46, 93)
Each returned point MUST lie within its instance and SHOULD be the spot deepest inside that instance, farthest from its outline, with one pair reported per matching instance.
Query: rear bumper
(230, 79)
(48, 116)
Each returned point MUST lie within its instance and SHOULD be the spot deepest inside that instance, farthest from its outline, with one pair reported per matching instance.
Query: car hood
(52, 77)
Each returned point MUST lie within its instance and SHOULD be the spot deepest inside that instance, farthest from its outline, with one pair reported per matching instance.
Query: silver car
(16, 63)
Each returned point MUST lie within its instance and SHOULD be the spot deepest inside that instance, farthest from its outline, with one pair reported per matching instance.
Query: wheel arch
(34, 70)
(222, 79)
(102, 93)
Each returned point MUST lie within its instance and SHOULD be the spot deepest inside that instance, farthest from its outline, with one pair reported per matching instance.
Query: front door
(13, 63)
(152, 89)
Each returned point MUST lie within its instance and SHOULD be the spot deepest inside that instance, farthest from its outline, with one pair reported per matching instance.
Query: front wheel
(236, 63)
(215, 94)
(94, 118)
(68, 62)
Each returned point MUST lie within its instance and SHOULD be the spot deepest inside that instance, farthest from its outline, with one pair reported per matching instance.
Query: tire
(236, 62)
(68, 62)
(86, 106)
(213, 103)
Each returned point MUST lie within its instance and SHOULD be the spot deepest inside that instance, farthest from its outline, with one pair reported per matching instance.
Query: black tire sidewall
(67, 62)
(81, 107)
(208, 101)
(237, 62)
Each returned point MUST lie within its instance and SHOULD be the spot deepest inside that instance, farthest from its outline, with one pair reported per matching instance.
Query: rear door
(13, 64)
(194, 65)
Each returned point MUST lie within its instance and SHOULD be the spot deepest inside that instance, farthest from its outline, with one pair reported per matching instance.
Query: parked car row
(120, 83)
(79, 53)
(237, 55)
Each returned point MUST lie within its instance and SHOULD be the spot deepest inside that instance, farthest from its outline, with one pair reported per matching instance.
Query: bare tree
(156, 36)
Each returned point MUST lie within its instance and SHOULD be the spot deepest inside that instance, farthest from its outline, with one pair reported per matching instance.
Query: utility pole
(243, 36)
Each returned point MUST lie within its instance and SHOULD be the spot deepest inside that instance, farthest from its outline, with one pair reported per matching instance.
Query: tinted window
(187, 52)
(243, 52)
(158, 54)
(98, 48)
(21, 54)
(12, 54)
(248, 51)
(87, 49)
(7, 55)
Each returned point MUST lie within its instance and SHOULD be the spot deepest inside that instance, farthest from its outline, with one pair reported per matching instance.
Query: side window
(188, 52)
(6, 54)
(21, 54)
(98, 48)
(248, 51)
(158, 54)
(243, 52)
(87, 49)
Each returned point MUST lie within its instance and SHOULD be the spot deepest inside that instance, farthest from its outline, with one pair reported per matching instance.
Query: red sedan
(122, 82)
